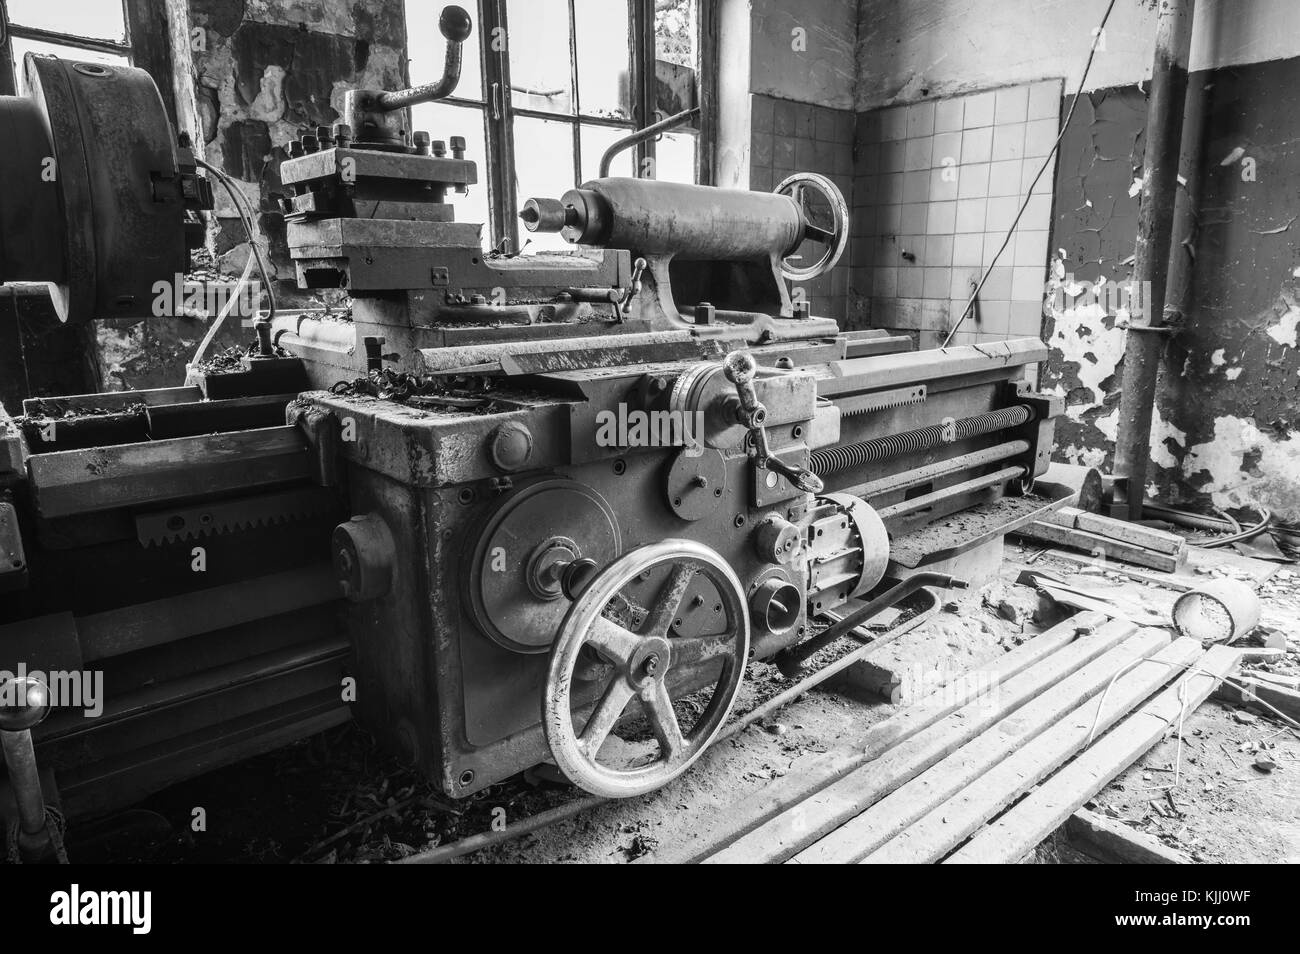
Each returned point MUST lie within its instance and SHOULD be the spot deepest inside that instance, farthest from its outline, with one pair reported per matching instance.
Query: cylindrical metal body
(90, 196)
(705, 223)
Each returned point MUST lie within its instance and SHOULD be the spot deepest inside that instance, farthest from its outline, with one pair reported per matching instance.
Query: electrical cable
(1198, 521)
(1029, 193)
(244, 209)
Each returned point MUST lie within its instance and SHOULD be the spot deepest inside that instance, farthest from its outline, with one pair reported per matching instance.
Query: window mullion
(497, 113)
(577, 97)
(642, 39)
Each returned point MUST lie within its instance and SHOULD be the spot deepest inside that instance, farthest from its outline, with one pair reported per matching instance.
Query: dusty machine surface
(517, 509)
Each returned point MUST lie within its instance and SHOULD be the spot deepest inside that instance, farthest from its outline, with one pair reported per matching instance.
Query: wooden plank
(1179, 582)
(1185, 578)
(1221, 557)
(1253, 692)
(102, 478)
(788, 833)
(1094, 544)
(893, 813)
(1014, 835)
(810, 774)
(1119, 530)
(1110, 840)
(948, 823)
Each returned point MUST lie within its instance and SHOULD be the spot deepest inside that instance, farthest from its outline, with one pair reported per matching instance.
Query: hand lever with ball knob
(24, 704)
(373, 115)
(740, 369)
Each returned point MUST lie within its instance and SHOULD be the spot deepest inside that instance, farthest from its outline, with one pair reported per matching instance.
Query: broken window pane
(595, 140)
(675, 32)
(442, 121)
(604, 58)
(101, 20)
(544, 169)
(539, 48)
(427, 47)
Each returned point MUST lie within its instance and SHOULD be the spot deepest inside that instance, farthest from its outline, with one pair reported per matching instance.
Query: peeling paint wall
(1227, 425)
(270, 70)
(1226, 429)
(263, 72)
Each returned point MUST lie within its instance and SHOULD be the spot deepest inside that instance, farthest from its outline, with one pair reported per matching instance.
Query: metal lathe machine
(508, 507)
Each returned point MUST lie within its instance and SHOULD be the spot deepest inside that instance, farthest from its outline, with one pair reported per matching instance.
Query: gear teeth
(200, 521)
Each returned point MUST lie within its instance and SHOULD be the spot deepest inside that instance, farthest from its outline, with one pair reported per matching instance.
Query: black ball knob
(455, 24)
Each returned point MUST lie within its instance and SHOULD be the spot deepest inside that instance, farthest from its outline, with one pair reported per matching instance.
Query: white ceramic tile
(974, 181)
(1040, 136)
(1008, 142)
(979, 111)
(948, 114)
(977, 145)
(970, 215)
(943, 218)
(1012, 105)
(1045, 100)
(920, 120)
(1004, 178)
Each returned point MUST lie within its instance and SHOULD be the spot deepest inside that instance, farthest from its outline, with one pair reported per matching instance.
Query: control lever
(455, 25)
(740, 369)
(374, 115)
(634, 286)
(24, 704)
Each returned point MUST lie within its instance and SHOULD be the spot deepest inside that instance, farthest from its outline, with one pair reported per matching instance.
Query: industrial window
(99, 31)
(547, 86)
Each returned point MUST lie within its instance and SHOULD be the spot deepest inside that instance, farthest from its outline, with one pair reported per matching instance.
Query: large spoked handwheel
(642, 642)
(830, 204)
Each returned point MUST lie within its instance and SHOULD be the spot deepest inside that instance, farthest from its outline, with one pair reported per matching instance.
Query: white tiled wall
(936, 187)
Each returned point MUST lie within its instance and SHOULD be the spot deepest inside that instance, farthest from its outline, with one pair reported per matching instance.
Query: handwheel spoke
(606, 714)
(613, 641)
(818, 234)
(691, 651)
(669, 600)
(663, 720)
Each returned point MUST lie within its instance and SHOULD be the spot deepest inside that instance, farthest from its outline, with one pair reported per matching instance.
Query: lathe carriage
(508, 508)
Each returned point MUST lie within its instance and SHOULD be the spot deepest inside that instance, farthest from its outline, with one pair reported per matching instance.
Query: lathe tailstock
(512, 509)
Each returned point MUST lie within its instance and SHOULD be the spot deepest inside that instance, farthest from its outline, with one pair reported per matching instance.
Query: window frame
(499, 111)
(147, 45)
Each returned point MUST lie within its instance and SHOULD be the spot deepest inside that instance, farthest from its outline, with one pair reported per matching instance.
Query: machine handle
(741, 369)
(455, 25)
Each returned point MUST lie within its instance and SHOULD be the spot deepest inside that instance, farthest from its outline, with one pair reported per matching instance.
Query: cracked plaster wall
(269, 70)
(263, 72)
(1227, 423)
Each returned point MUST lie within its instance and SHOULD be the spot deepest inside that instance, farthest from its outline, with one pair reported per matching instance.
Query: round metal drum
(515, 574)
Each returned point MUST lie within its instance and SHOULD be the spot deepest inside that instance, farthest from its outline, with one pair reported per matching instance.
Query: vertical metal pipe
(1186, 228)
(1151, 265)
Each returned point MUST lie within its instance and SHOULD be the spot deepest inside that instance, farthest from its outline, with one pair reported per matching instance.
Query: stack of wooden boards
(1058, 718)
(1109, 538)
